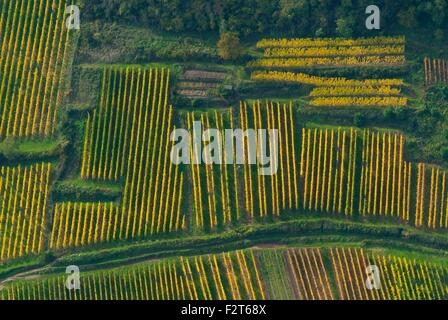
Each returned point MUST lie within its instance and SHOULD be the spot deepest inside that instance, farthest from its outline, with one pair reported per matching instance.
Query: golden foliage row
(355, 91)
(128, 137)
(436, 71)
(336, 42)
(214, 204)
(332, 51)
(330, 61)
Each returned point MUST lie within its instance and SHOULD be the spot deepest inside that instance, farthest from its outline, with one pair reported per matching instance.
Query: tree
(408, 18)
(344, 28)
(229, 47)
(445, 134)
(320, 33)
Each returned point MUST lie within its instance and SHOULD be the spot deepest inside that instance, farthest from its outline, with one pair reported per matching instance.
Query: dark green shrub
(179, 101)
(389, 113)
(359, 119)
(444, 153)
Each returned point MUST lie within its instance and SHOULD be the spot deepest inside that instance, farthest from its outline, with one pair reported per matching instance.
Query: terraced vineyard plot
(385, 176)
(35, 50)
(274, 271)
(311, 280)
(345, 171)
(321, 62)
(249, 274)
(272, 194)
(215, 186)
(199, 84)
(431, 199)
(226, 276)
(342, 92)
(23, 205)
(252, 195)
(193, 93)
(338, 101)
(303, 78)
(287, 53)
(203, 75)
(401, 279)
(336, 42)
(334, 186)
(328, 170)
(336, 50)
(128, 138)
(196, 90)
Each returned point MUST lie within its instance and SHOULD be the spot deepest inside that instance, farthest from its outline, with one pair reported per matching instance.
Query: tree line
(317, 18)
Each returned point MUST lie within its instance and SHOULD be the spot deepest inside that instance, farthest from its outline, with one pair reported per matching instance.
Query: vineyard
(345, 171)
(80, 224)
(335, 42)
(292, 54)
(436, 71)
(35, 49)
(311, 160)
(364, 173)
(302, 78)
(225, 276)
(250, 274)
(214, 203)
(23, 207)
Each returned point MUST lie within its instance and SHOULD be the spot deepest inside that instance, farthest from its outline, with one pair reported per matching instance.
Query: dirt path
(268, 246)
(26, 275)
